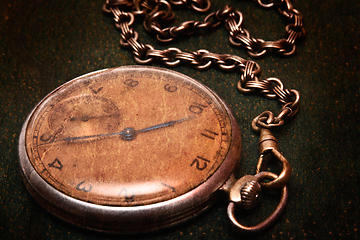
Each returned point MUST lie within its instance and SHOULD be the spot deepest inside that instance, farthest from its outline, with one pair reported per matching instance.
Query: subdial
(84, 115)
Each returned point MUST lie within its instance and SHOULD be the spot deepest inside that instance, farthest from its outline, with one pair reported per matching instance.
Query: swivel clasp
(269, 150)
(245, 192)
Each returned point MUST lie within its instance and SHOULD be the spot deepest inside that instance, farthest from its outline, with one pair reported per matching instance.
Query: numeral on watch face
(56, 164)
(197, 108)
(170, 88)
(129, 197)
(131, 83)
(200, 163)
(209, 134)
(83, 188)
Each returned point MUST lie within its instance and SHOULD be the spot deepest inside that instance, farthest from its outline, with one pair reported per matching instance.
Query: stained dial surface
(128, 136)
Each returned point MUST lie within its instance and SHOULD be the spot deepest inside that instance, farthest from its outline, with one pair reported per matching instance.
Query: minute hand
(162, 125)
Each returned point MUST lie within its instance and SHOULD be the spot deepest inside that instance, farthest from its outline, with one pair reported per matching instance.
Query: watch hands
(128, 133)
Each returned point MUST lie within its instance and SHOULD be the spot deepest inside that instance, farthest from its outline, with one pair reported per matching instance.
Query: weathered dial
(128, 136)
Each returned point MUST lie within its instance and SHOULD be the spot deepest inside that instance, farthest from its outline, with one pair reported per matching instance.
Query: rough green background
(46, 43)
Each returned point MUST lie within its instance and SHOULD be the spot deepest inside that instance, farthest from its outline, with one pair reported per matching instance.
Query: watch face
(128, 136)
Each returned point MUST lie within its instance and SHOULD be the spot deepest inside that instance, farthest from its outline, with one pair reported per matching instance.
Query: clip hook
(268, 145)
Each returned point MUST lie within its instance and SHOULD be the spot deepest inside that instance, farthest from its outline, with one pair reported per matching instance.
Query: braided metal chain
(156, 11)
(159, 12)
(259, 47)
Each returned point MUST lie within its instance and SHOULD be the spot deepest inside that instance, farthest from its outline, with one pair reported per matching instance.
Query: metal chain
(156, 13)
(159, 12)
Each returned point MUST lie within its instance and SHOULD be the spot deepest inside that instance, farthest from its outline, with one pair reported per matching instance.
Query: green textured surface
(46, 43)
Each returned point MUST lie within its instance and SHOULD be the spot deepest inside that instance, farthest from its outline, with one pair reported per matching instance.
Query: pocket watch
(128, 149)
(139, 148)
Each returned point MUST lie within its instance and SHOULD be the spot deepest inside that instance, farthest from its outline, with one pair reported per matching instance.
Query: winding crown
(250, 194)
